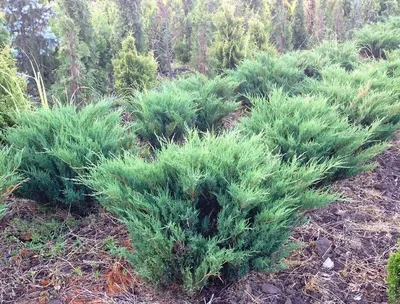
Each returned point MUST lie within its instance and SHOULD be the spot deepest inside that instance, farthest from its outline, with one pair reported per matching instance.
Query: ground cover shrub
(375, 39)
(326, 54)
(261, 75)
(58, 144)
(365, 96)
(193, 102)
(310, 129)
(9, 178)
(393, 278)
(215, 99)
(165, 113)
(214, 208)
(342, 53)
(12, 89)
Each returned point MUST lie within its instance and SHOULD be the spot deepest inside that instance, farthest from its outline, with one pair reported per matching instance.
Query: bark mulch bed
(76, 260)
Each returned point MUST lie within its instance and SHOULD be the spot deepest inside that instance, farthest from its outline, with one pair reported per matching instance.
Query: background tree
(78, 56)
(107, 40)
(319, 31)
(166, 30)
(281, 33)
(338, 20)
(311, 17)
(300, 37)
(257, 36)
(133, 71)
(131, 21)
(201, 35)
(4, 35)
(355, 18)
(71, 71)
(183, 47)
(12, 89)
(33, 40)
(229, 38)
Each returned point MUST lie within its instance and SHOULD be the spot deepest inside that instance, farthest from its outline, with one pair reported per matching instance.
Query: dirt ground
(47, 256)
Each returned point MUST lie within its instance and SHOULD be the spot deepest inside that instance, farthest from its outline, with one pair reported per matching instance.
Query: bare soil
(76, 260)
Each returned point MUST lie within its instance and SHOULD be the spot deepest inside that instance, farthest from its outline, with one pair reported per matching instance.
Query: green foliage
(60, 143)
(79, 72)
(393, 278)
(364, 96)
(300, 36)
(107, 42)
(32, 39)
(9, 178)
(79, 11)
(194, 102)
(327, 53)
(202, 32)
(214, 208)
(132, 71)
(374, 40)
(333, 52)
(214, 99)
(258, 37)
(309, 129)
(131, 21)
(12, 90)
(4, 35)
(166, 113)
(73, 77)
(228, 46)
(281, 32)
(259, 76)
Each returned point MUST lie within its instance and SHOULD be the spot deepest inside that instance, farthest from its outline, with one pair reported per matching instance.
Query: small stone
(57, 287)
(270, 289)
(248, 288)
(369, 287)
(297, 301)
(357, 298)
(323, 246)
(54, 302)
(356, 244)
(339, 212)
(328, 264)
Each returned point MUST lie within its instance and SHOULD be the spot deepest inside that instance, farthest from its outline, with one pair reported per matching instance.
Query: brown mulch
(357, 233)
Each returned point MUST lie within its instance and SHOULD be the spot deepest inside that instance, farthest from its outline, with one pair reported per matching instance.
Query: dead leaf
(26, 237)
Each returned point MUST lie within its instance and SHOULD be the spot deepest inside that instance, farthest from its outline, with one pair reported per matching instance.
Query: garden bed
(47, 256)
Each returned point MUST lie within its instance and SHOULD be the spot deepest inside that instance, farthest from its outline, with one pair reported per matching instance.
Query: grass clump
(58, 144)
(214, 208)
(310, 129)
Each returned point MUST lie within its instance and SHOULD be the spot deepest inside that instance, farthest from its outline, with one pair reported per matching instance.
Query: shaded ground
(46, 256)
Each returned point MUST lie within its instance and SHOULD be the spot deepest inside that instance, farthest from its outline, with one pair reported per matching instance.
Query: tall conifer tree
(300, 37)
